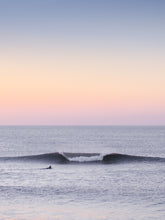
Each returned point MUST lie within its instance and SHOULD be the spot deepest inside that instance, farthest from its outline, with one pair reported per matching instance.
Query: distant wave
(76, 158)
(124, 158)
(109, 158)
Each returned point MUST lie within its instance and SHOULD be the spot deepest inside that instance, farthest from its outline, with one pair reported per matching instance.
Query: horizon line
(87, 125)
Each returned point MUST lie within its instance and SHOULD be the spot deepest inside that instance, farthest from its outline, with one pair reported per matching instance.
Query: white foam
(87, 159)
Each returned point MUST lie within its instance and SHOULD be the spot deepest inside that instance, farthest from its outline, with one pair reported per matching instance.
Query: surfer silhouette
(47, 168)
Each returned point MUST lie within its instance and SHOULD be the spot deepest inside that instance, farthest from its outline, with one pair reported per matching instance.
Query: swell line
(77, 158)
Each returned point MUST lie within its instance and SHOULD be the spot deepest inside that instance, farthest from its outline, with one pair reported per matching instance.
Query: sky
(82, 62)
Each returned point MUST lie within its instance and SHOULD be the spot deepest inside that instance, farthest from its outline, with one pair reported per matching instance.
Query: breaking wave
(77, 158)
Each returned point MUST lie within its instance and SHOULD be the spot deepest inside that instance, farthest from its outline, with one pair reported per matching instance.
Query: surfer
(47, 168)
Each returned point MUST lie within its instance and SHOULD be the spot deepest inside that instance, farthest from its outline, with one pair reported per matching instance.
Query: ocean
(98, 172)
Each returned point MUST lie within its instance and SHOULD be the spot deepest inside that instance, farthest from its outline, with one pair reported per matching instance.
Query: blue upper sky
(108, 22)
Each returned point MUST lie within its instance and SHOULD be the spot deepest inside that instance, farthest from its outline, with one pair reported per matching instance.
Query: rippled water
(129, 190)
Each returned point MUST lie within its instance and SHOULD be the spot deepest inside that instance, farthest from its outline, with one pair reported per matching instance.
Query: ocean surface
(98, 172)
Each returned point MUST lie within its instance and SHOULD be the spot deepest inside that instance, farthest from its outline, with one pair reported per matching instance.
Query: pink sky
(91, 93)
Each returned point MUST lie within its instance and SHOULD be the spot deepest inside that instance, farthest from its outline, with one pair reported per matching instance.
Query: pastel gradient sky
(82, 62)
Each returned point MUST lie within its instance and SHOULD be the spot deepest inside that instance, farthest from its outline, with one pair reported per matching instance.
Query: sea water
(83, 186)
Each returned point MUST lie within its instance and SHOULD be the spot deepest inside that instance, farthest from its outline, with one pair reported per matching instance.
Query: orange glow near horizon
(79, 90)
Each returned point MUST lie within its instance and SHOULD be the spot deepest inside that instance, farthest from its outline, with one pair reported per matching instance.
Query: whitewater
(98, 172)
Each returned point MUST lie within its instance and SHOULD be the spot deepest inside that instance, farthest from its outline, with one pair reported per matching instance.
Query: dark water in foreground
(87, 180)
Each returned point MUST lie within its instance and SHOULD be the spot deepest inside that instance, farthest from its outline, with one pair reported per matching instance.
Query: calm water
(121, 189)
